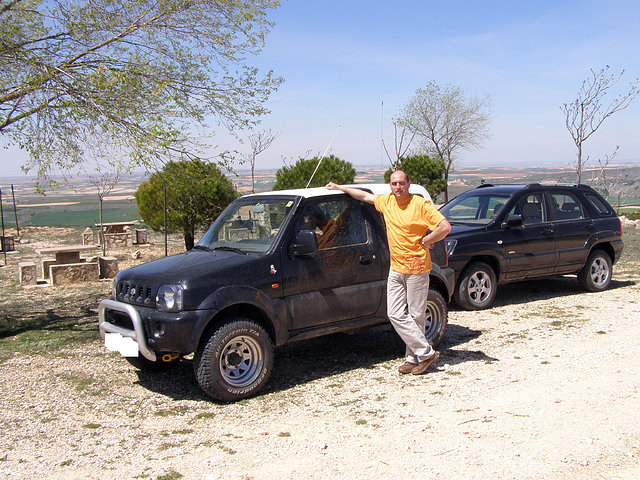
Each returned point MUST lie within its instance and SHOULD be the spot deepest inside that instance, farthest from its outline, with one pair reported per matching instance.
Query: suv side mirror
(513, 220)
(305, 242)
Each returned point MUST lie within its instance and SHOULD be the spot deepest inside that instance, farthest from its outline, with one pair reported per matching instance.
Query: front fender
(241, 299)
(486, 252)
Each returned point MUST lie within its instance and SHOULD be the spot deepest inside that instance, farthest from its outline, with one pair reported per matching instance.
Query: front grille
(119, 319)
(129, 292)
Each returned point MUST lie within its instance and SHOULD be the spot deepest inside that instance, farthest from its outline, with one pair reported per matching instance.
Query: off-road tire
(234, 361)
(437, 318)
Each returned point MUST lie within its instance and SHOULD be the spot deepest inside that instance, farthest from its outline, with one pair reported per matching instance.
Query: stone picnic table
(68, 266)
(67, 253)
(115, 227)
(119, 233)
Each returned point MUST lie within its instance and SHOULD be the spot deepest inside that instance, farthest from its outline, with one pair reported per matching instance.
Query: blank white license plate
(127, 346)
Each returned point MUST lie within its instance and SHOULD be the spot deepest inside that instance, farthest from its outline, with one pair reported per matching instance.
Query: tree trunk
(189, 240)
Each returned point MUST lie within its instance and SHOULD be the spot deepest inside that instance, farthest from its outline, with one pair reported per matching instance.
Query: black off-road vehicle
(507, 233)
(273, 268)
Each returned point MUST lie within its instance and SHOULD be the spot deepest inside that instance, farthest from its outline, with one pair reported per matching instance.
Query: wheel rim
(241, 361)
(479, 287)
(599, 271)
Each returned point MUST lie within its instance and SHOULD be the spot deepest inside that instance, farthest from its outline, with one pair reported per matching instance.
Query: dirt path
(545, 385)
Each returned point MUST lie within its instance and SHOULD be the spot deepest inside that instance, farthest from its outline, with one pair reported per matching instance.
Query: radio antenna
(323, 155)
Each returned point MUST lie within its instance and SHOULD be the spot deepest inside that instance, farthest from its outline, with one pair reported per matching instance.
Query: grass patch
(166, 412)
(170, 475)
(80, 380)
(204, 415)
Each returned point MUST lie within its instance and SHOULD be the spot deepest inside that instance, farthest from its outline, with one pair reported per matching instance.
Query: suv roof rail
(559, 184)
(485, 185)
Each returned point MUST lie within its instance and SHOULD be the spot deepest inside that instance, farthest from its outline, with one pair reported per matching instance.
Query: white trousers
(407, 310)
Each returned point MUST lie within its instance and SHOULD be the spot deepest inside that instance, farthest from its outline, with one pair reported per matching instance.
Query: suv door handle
(366, 259)
(547, 231)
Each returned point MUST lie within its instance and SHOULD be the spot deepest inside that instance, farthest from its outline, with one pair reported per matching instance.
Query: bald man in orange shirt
(413, 226)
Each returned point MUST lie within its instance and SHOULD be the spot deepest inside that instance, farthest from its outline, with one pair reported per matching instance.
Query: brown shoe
(424, 365)
(406, 367)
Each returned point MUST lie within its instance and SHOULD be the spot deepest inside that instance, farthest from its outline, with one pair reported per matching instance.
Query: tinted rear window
(601, 207)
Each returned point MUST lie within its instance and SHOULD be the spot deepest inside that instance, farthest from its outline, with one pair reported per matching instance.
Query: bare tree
(614, 183)
(586, 113)
(446, 122)
(104, 182)
(259, 142)
(400, 148)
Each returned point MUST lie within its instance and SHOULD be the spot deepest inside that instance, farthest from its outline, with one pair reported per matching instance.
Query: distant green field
(69, 218)
(83, 213)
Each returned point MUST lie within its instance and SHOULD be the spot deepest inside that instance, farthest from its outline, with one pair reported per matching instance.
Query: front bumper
(137, 334)
(153, 331)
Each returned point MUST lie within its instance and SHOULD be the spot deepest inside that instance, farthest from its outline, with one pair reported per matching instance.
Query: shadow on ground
(544, 289)
(301, 362)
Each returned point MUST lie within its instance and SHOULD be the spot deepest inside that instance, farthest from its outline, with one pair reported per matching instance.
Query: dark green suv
(506, 233)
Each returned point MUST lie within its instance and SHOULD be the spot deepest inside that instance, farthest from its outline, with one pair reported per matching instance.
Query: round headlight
(169, 298)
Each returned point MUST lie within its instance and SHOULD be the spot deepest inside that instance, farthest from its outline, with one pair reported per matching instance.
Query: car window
(531, 207)
(599, 205)
(565, 206)
(478, 208)
(336, 223)
(249, 224)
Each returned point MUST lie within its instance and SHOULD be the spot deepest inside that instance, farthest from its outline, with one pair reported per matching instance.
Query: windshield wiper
(229, 249)
(201, 247)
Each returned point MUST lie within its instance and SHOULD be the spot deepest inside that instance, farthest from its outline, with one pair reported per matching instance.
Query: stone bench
(46, 263)
(108, 267)
(141, 236)
(69, 273)
(117, 239)
(87, 237)
(27, 273)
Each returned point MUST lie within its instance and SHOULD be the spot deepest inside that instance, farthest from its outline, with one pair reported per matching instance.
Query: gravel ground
(544, 385)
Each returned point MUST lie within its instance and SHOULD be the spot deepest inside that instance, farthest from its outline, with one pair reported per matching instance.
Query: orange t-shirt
(407, 223)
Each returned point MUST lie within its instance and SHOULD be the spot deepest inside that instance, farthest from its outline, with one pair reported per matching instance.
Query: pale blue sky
(342, 60)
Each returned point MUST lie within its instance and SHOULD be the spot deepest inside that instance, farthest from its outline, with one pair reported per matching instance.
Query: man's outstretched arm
(352, 192)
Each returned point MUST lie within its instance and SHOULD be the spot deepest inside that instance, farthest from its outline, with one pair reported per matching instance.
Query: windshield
(249, 224)
(476, 208)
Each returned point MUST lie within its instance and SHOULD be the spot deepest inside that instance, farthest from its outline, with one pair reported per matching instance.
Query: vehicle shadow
(542, 289)
(301, 362)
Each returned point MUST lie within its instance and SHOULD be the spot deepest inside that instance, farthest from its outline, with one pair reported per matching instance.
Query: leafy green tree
(332, 169)
(131, 82)
(424, 171)
(197, 192)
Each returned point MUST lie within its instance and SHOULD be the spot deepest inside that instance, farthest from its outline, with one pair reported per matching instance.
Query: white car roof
(375, 188)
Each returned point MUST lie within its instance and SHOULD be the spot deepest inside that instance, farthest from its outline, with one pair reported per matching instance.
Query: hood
(461, 228)
(193, 265)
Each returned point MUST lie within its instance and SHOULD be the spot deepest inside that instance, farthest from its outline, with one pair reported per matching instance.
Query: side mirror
(513, 220)
(305, 242)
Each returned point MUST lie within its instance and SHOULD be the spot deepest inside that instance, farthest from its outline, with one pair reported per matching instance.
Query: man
(413, 226)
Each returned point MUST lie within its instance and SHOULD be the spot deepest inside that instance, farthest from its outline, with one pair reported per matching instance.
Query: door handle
(366, 259)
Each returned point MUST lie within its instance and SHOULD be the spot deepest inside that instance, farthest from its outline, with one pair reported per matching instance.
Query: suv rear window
(600, 207)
